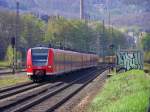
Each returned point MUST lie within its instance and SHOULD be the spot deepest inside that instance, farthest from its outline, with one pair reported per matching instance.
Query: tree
(146, 42)
(146, 46)
(32, 32)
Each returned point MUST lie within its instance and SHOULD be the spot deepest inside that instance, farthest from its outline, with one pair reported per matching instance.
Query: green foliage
(125, 92)
(146, 46)
(70, 33)
(7, 21)
(33, 31)
(9, 55)
(109, 36)
(30, 31)
(147, 56)
(74, 34)
(81, 35)
(146, 42)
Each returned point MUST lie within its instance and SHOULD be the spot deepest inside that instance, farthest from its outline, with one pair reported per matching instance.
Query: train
(44, 61)
(107, 59)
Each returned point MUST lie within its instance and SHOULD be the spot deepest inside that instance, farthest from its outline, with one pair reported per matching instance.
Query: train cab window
(39, 57)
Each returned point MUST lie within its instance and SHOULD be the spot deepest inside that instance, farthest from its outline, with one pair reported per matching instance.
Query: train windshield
(39, 57)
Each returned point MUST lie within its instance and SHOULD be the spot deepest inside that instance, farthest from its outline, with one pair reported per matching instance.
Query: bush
(9, 55)
(147, 56)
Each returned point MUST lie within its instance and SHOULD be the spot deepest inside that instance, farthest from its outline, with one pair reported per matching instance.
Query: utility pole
(112, 30)
(17, 31)
(109, 20)
(81, 9)
(103, 34)
(98, 43)
(82, 17)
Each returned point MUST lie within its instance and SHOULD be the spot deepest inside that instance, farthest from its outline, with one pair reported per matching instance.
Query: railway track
(46, 97)
(7, 72)
(18, 90)
(14, 87)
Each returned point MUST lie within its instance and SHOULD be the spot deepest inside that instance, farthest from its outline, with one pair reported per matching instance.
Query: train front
(38, 63)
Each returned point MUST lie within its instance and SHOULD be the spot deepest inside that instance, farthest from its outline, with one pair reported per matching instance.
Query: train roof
(40, 48)
(61, 50)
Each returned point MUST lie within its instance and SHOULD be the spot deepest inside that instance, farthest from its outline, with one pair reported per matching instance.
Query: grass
(125, 92)
(4, 64)
(12, 80)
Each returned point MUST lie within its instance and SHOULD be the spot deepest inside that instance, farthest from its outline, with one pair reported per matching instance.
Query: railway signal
(13, 42)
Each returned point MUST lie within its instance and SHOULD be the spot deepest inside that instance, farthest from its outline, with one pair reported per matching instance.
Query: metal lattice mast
(81, 9)
(17, 31)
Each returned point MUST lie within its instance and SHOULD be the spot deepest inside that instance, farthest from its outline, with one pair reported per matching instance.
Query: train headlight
(49, 66)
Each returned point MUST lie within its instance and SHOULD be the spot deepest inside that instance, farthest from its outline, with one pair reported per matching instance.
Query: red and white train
(43, 61)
